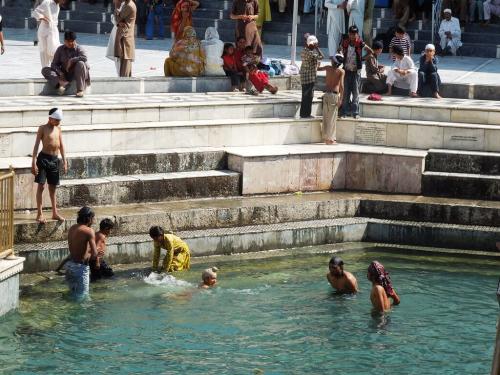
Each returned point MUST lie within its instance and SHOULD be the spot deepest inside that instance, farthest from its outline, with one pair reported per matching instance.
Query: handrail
(7, 213)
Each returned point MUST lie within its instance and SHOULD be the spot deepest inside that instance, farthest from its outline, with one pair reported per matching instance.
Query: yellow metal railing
(7, 214)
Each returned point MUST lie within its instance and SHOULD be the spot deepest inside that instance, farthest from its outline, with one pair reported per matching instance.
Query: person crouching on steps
(260, 80)
(178, 257)
(332, 99)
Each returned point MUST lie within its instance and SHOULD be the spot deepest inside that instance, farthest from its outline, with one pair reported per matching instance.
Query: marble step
(300, 168)
(139, 188)
(417, 134)
(451, 161)
(16, 112)
(461, 185)
(424, 109)
(198, 214)
(151, 136)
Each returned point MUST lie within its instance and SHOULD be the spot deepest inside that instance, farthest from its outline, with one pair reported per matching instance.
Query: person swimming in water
(209, 278)
(381, 288)
(342, 281)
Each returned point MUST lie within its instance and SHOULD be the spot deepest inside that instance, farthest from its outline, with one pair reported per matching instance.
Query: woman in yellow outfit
(177, 258)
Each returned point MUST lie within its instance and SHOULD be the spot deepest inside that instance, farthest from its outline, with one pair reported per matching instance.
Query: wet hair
(156, 231)
(400, 30)
(85, 214)
(52, 111)
(353, 29)
(106, 224)
(378, 45)
(336, 261)
(69, 35)
(398, 50)
(226, 47)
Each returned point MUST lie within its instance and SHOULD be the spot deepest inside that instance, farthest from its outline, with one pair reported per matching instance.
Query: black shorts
(48, 169)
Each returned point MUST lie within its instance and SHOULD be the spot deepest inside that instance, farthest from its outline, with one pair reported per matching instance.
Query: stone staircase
(462, 175)
(477, 41)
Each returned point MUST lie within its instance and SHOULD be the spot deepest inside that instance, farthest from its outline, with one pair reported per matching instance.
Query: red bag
(375, 97)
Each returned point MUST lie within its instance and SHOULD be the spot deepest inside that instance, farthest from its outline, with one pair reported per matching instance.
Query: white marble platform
(324, 167)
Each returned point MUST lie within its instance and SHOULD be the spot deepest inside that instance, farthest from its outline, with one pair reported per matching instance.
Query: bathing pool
(267, 316)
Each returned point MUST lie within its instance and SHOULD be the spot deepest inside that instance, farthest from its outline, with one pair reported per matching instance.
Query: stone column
(10, 268)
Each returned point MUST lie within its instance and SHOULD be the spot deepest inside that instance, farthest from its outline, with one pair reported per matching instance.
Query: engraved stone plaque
(462, 138)
(4, 146)
(370, 134)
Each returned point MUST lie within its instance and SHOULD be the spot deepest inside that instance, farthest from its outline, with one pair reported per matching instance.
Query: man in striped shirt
(401, 39)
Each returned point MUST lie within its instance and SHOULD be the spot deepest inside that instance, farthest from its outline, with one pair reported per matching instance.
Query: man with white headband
(45, 165)
(450, 33)
(332, 99)
(311, 57)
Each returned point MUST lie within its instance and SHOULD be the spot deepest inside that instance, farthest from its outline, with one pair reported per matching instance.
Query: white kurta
(409, 80)
(356, 10)
(213, 48)
(48, 35)
(453, 26)
(335, 25)
(491, 7)
(110, 51)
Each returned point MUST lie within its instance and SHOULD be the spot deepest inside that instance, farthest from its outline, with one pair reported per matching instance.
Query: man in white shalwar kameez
(356, 10)
(450, 33)
(335, 24)
(47, 13)
(491, 7)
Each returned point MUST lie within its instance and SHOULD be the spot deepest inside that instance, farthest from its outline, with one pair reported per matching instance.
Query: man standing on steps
(125, 38)
(335, 24)
(47, 13)
(45, 165)
(311, 57)
(245, 13)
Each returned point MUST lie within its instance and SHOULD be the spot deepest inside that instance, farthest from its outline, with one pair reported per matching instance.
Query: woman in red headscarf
(182, 16)
(381, 287)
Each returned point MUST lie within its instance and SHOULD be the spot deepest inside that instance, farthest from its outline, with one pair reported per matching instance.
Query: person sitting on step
(69, 64)
(178, 257)
(186, 58)
(376, 79)
(402, 72)
(450, 34)
(428, 77)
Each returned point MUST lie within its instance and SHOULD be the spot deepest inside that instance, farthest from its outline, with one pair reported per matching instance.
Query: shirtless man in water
(332, 99)
(45, 165)
(342, 281)
(82, 248)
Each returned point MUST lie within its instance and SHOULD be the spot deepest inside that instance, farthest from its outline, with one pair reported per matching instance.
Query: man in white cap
(45, 165)
(428, 77)
(335, 24)
(311, 58)
(450, 34)
(332, 99)
(491, 7)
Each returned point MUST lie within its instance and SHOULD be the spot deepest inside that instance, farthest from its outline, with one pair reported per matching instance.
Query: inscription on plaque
(462, 138)
(370, 134)
(4, 145)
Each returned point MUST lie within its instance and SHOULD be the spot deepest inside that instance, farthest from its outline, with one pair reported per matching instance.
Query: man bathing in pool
(342, 281)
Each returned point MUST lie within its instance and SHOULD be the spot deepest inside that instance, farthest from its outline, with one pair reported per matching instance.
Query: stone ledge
(10, 267)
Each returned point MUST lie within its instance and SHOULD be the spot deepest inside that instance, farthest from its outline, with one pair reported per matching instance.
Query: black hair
(69, 35)
(156, 231)
(400, 30)
(240, 38)
(226, 47)
(378, 45)
(52, 111)
(106, 224)
(353, 29)
(248, 48)
(336, 261)
(398, 50)
(85, 214)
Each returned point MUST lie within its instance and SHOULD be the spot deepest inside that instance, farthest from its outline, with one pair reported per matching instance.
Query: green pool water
(271, 316)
